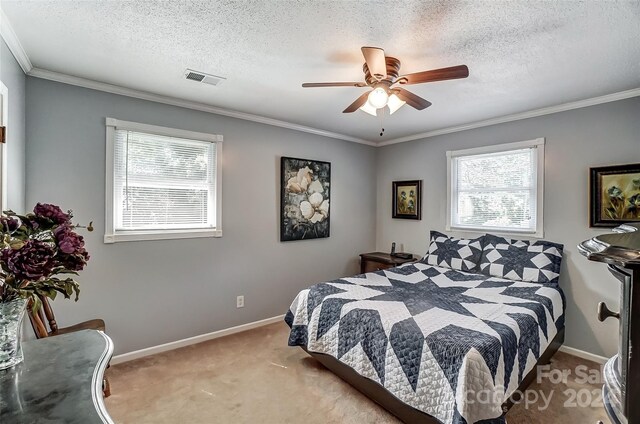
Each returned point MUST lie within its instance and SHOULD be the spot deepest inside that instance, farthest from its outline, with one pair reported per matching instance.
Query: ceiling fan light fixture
(378, 97)
(394, 103)
(366, 107)
(382, 74)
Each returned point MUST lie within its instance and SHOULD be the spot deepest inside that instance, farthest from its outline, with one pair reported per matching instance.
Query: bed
(452, 338)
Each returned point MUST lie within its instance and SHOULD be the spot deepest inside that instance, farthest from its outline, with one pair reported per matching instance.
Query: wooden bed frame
(408, 414)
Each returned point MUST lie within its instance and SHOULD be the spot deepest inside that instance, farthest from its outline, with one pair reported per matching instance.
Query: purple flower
(68, 241)
(9, 224)
(73, 255)
(75, 262)
(32, 261)
(51, 212)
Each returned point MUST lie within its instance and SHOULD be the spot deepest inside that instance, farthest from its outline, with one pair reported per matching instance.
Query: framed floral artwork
(407, 199)
(614, 195)
(305, 196)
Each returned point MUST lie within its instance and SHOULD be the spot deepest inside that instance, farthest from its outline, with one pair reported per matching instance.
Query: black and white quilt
(438, 339)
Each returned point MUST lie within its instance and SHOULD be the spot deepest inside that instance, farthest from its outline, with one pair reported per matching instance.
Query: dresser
(59, 381)
(620, 251)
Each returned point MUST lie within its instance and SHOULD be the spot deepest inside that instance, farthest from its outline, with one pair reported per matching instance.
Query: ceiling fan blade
(356, 105)
(374, 56)
(411, 99)
(441, 74)
(334, 84)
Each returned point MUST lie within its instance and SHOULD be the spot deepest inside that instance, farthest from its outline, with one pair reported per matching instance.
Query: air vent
(192, 75)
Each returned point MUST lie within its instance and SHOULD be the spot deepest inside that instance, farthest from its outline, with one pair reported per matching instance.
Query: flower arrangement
(38, 253)
(315, 208)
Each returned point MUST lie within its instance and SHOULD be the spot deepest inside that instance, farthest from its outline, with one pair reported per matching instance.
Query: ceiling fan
(381, 74)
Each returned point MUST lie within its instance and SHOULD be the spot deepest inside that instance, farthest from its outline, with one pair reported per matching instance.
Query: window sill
(498, 231)
(160, 235)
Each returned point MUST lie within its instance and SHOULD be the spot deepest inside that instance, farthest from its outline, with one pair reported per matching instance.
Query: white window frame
(538, 144)
(111, 235)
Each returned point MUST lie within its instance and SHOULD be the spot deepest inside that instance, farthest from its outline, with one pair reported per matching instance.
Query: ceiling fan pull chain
(382, 122)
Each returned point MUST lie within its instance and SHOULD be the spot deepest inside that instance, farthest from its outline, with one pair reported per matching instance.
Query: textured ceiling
(522, 55)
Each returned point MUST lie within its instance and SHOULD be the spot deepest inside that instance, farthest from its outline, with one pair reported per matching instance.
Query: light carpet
(254, 377)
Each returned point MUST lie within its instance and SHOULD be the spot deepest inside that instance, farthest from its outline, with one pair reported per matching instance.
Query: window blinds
(495, 190)
(163, 182)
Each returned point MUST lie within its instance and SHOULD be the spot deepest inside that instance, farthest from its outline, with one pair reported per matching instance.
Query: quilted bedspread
(450, 343)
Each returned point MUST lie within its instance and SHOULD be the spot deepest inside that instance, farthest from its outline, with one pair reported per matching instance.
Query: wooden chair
(44, 315)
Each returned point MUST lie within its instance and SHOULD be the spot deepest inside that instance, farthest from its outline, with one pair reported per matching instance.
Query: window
(497, 188)
(161, 183)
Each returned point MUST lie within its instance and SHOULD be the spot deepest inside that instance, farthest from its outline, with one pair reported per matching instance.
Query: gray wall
(156, 292)
(12, 76)
(153, 292)
(606, 134)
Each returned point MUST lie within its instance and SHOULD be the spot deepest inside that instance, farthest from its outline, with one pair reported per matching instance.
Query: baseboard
(130, 356)
(136, 354)
(584, 355)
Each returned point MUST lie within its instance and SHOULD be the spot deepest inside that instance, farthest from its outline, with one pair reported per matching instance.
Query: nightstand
(376, 261)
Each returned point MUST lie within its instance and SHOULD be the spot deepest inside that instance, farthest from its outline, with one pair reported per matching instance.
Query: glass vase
(11, 315)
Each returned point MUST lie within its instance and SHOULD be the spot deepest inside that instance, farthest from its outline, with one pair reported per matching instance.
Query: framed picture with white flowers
(305, 195)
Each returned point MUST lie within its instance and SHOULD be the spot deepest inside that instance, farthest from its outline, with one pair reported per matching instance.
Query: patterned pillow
(521, 260)
(449, 252)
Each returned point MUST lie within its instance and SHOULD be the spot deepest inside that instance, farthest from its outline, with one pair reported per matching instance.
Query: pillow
(449, 252)
(521, 260)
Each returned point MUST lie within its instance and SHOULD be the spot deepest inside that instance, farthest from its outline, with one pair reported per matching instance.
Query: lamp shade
(394, 103)
(366, 107)
(378, 97)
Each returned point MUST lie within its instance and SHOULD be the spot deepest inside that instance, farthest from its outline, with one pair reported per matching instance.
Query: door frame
(4, 92)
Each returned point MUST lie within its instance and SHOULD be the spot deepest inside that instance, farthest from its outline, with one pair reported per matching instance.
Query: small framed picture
(407, 199)
(614, 193)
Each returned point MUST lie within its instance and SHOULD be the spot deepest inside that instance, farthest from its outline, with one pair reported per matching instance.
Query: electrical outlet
(240, 302)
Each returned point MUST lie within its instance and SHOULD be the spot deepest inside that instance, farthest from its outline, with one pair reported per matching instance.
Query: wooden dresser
(376, 261)
(59, 381)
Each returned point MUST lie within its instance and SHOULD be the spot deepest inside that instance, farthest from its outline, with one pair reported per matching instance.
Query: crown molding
(144, 95)
(621, 95)
(115, 89)
(10, 37)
